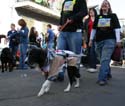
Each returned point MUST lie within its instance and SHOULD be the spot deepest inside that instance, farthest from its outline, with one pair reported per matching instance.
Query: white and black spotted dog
(50, 62)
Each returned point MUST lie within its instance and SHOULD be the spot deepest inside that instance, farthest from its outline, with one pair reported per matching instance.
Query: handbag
(116, 55)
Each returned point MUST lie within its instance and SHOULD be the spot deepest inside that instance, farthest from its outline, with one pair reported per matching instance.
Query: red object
(90, 26)
(116, 56)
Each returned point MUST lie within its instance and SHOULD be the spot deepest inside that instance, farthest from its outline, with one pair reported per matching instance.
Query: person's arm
(116, 26)
(11, 35)
(92, 35)
(117, 34)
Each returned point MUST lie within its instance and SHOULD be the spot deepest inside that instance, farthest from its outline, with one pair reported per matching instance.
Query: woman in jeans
(91, 56)
(106, 31)
(23, 32)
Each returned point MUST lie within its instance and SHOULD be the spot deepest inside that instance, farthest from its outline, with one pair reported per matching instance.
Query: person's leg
(23, 50)
(62, 45)
(61, 41)
(92, 57)
(21, 56)
(50, 45)
(74, 40)
(106, 50)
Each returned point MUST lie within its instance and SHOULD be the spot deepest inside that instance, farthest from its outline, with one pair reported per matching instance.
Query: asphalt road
(20, 88)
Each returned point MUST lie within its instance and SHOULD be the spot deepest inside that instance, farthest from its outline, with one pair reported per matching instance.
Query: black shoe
(109, 76)
(102, 83)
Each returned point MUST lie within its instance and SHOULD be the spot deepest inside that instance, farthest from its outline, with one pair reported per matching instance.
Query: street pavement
(20, 88)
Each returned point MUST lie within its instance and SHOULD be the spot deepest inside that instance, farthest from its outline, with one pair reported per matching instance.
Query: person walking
(106, 31)
(70, 27)
(23, 32)
(91, 55)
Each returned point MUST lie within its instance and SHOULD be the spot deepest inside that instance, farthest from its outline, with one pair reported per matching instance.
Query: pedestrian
(50, 37)
(70, 26)
(32, 36)
(91, 55)
(13, 37)
(23, 43)
(106, 31)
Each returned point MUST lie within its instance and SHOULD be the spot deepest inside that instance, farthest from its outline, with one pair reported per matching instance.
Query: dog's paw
(76, 85)
(66, 90)
(47, 89)
(40, 93)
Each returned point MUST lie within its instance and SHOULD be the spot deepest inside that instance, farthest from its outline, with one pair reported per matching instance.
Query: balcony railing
(39, 10)
(51, 4)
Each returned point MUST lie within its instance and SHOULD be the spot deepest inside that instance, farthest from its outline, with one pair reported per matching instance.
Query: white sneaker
(123, 65)
(92, 70)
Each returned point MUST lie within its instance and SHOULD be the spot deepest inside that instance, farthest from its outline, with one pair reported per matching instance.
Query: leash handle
(63, 26)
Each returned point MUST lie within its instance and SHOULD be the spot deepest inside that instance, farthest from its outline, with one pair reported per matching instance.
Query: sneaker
(92, 70)
(102, 83)
(123, 65)
(109, 76)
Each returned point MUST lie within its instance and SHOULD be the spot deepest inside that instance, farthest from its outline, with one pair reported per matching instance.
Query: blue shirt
(51, 35)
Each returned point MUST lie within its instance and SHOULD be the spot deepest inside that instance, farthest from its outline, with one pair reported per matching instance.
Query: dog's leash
(63, 26)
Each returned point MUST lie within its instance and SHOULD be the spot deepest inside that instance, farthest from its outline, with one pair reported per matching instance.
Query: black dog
(49, 61)
(6, 59)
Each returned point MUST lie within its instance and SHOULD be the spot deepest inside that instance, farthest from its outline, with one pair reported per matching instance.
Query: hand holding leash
(64, 25)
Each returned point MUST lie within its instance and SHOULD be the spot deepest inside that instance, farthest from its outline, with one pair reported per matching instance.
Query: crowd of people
(100, 32)
(19, 39)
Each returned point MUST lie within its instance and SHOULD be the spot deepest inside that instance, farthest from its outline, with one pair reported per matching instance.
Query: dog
(6, 59)
(50, 62)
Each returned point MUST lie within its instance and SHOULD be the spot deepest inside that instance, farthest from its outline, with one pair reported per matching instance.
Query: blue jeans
(23, 50)
(71, 41)
(50, 45)
(104, 50)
